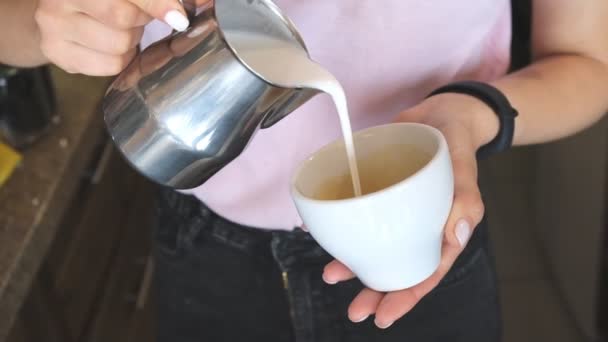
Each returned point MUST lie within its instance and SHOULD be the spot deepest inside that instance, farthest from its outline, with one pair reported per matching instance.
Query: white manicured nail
(327, 281)
(360, 319)
(463, 232)
(177, 20)
(383, 325)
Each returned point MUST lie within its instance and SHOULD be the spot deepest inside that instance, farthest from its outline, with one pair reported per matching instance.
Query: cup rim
(442, 145)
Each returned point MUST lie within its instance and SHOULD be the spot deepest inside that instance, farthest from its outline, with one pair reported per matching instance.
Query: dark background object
(603, 295)
(522, 21)
(27, 104)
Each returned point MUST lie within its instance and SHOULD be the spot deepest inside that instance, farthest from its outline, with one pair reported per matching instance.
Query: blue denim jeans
(219, 281)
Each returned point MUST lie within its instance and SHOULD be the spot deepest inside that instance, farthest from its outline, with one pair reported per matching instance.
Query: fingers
(96, 38)
(169, 11)
(130, 13)
(102, 38)
(119, 14)
(395, 305)
(467, 208)
(390, 307)
(336, 272)
(364, 305)
(84, 60)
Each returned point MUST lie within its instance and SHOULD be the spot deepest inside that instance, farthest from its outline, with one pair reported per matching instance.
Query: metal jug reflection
(188, 105)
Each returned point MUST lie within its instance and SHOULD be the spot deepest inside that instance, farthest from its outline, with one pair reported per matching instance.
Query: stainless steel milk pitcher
(188, 105)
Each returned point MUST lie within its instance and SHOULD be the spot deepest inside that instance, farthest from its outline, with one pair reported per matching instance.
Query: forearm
(19, 42)
(556, 97)
(565, 90)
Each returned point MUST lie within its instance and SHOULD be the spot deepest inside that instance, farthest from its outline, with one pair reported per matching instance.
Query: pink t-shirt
(387, 55)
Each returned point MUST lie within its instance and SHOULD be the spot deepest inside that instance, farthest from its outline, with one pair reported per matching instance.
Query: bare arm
(19, 38)
(565, 89)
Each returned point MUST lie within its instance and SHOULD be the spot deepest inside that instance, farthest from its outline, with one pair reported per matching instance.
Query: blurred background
(74, 222)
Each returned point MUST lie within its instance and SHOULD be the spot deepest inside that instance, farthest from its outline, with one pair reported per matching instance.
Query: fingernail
(383, 325)
(463, 232)
(360, 319)
(177, 20)
(330, 282)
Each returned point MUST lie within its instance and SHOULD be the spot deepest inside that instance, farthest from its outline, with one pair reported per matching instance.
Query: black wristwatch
(499, 103)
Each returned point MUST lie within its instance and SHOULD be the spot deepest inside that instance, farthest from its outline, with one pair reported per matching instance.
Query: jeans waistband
(183, 220)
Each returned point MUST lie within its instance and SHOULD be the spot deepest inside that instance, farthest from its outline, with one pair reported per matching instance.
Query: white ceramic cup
(391, 239)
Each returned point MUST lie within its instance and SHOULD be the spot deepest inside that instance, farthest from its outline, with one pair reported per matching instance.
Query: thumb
(467, 209)
(170, 11)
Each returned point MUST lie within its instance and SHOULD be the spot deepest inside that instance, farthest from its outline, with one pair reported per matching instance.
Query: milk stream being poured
(287, 65)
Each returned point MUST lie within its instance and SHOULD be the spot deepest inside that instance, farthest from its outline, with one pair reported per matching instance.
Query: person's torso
(387, 55)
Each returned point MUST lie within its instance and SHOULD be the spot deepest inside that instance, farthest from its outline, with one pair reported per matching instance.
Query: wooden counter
(35, 197)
